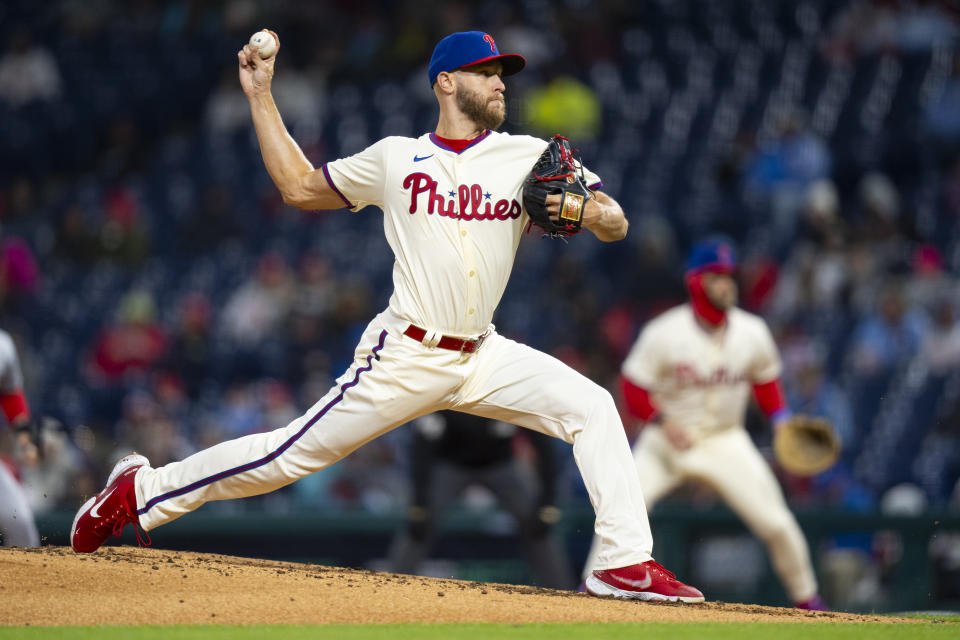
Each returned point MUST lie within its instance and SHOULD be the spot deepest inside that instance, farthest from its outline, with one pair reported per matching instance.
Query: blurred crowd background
(163, 298)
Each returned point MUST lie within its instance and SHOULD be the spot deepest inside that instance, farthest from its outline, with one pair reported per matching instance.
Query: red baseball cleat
(645, 581)
(815, 603)
(111, 510)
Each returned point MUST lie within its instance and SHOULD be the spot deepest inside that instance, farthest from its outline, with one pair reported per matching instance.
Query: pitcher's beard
(484, 112)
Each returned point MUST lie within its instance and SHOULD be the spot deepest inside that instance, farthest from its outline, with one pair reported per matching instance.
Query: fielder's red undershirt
(15, 407)
(769, 396)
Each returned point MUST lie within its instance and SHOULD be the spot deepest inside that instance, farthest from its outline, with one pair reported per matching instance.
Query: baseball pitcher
(454, 209)
(689, 377)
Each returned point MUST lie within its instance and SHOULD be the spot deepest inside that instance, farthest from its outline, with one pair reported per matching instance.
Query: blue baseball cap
(466, 48)
(712, 255)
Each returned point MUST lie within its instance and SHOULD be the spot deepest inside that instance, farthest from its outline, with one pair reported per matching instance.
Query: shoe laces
(659, 567)
(120, 517)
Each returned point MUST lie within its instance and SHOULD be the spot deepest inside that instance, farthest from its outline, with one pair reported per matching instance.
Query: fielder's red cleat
(111, 510)
(815, 603)
(645, 581)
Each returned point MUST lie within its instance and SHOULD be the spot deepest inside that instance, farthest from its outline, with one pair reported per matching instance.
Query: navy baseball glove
(556, 171)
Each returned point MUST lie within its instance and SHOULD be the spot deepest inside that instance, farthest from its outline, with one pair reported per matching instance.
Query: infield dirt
(128, 585)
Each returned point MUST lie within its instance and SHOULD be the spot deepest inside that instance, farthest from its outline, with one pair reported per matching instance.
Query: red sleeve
(15, 407)
(771, 399)
(637, 399)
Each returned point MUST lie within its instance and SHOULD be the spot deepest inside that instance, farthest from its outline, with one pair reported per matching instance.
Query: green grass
(920, 615)
(609, 631)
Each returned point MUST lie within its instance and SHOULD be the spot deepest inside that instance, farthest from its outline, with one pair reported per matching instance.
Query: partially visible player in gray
(16, 517)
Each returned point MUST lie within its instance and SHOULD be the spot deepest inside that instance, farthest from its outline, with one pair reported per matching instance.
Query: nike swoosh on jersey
(418, 158)
(93, 511)
(639, 584)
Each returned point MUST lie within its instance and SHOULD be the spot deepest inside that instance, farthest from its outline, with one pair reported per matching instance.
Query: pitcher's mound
(128, 585)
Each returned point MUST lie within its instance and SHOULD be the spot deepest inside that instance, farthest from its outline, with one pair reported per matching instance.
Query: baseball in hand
(266, 43)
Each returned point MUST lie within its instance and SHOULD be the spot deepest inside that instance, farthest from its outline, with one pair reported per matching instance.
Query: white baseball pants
(730, 463)
(394, 379)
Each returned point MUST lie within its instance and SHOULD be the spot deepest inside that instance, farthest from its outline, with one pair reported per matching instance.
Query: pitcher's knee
(591, 406)
(598, 402)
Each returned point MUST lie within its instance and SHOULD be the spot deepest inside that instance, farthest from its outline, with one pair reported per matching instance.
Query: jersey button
(470, 313)
(463, 233)
(472, 273)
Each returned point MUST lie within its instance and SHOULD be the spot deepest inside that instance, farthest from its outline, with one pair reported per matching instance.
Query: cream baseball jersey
(702, 381)
(453, 220)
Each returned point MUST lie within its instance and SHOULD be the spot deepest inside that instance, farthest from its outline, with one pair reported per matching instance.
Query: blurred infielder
(688, 377)
(453, 217)
(16, 517)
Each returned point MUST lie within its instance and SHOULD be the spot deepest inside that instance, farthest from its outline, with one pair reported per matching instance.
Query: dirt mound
(127, 585)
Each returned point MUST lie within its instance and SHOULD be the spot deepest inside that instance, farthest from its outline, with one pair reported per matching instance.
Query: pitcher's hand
(256, 73)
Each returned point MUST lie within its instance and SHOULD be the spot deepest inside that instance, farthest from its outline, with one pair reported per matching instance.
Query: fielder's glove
(29, 439)
(805, 445)
(556, 171)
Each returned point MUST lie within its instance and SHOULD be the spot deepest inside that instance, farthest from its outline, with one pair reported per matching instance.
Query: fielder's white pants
(394, 379)
(730, 463)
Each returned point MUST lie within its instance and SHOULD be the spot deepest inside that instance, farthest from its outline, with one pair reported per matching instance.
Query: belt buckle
(479, 341)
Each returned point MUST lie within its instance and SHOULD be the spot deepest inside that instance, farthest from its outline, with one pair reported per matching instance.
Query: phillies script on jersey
(474, 203)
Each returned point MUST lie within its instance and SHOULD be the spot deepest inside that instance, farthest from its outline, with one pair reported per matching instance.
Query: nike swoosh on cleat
(639, 584)
(418, 158)
(93, 511)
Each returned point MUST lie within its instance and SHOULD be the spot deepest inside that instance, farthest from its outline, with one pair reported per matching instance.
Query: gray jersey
(11, 378)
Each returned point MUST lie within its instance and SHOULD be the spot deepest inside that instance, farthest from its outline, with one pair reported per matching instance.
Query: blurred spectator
(227, 109)
(809, 285)
(133, 344)
(316, 287)
(866, 27)
(77, 239)
(347, 320)
(929, 281)
(941, 346)
(369, 479)
(145, 428)
(821, 223)
(189, 356)
(782, 169)
(277, 402)
(19, 272)
(28, 71)
(879, 218)
(124, 237)
(538, 46)
(301, 98)
(307, 355)
(564, 106)
(888, 336)
(941, 119)
(239, 412)
(254, 311)
(809, 389)
(213, 223)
